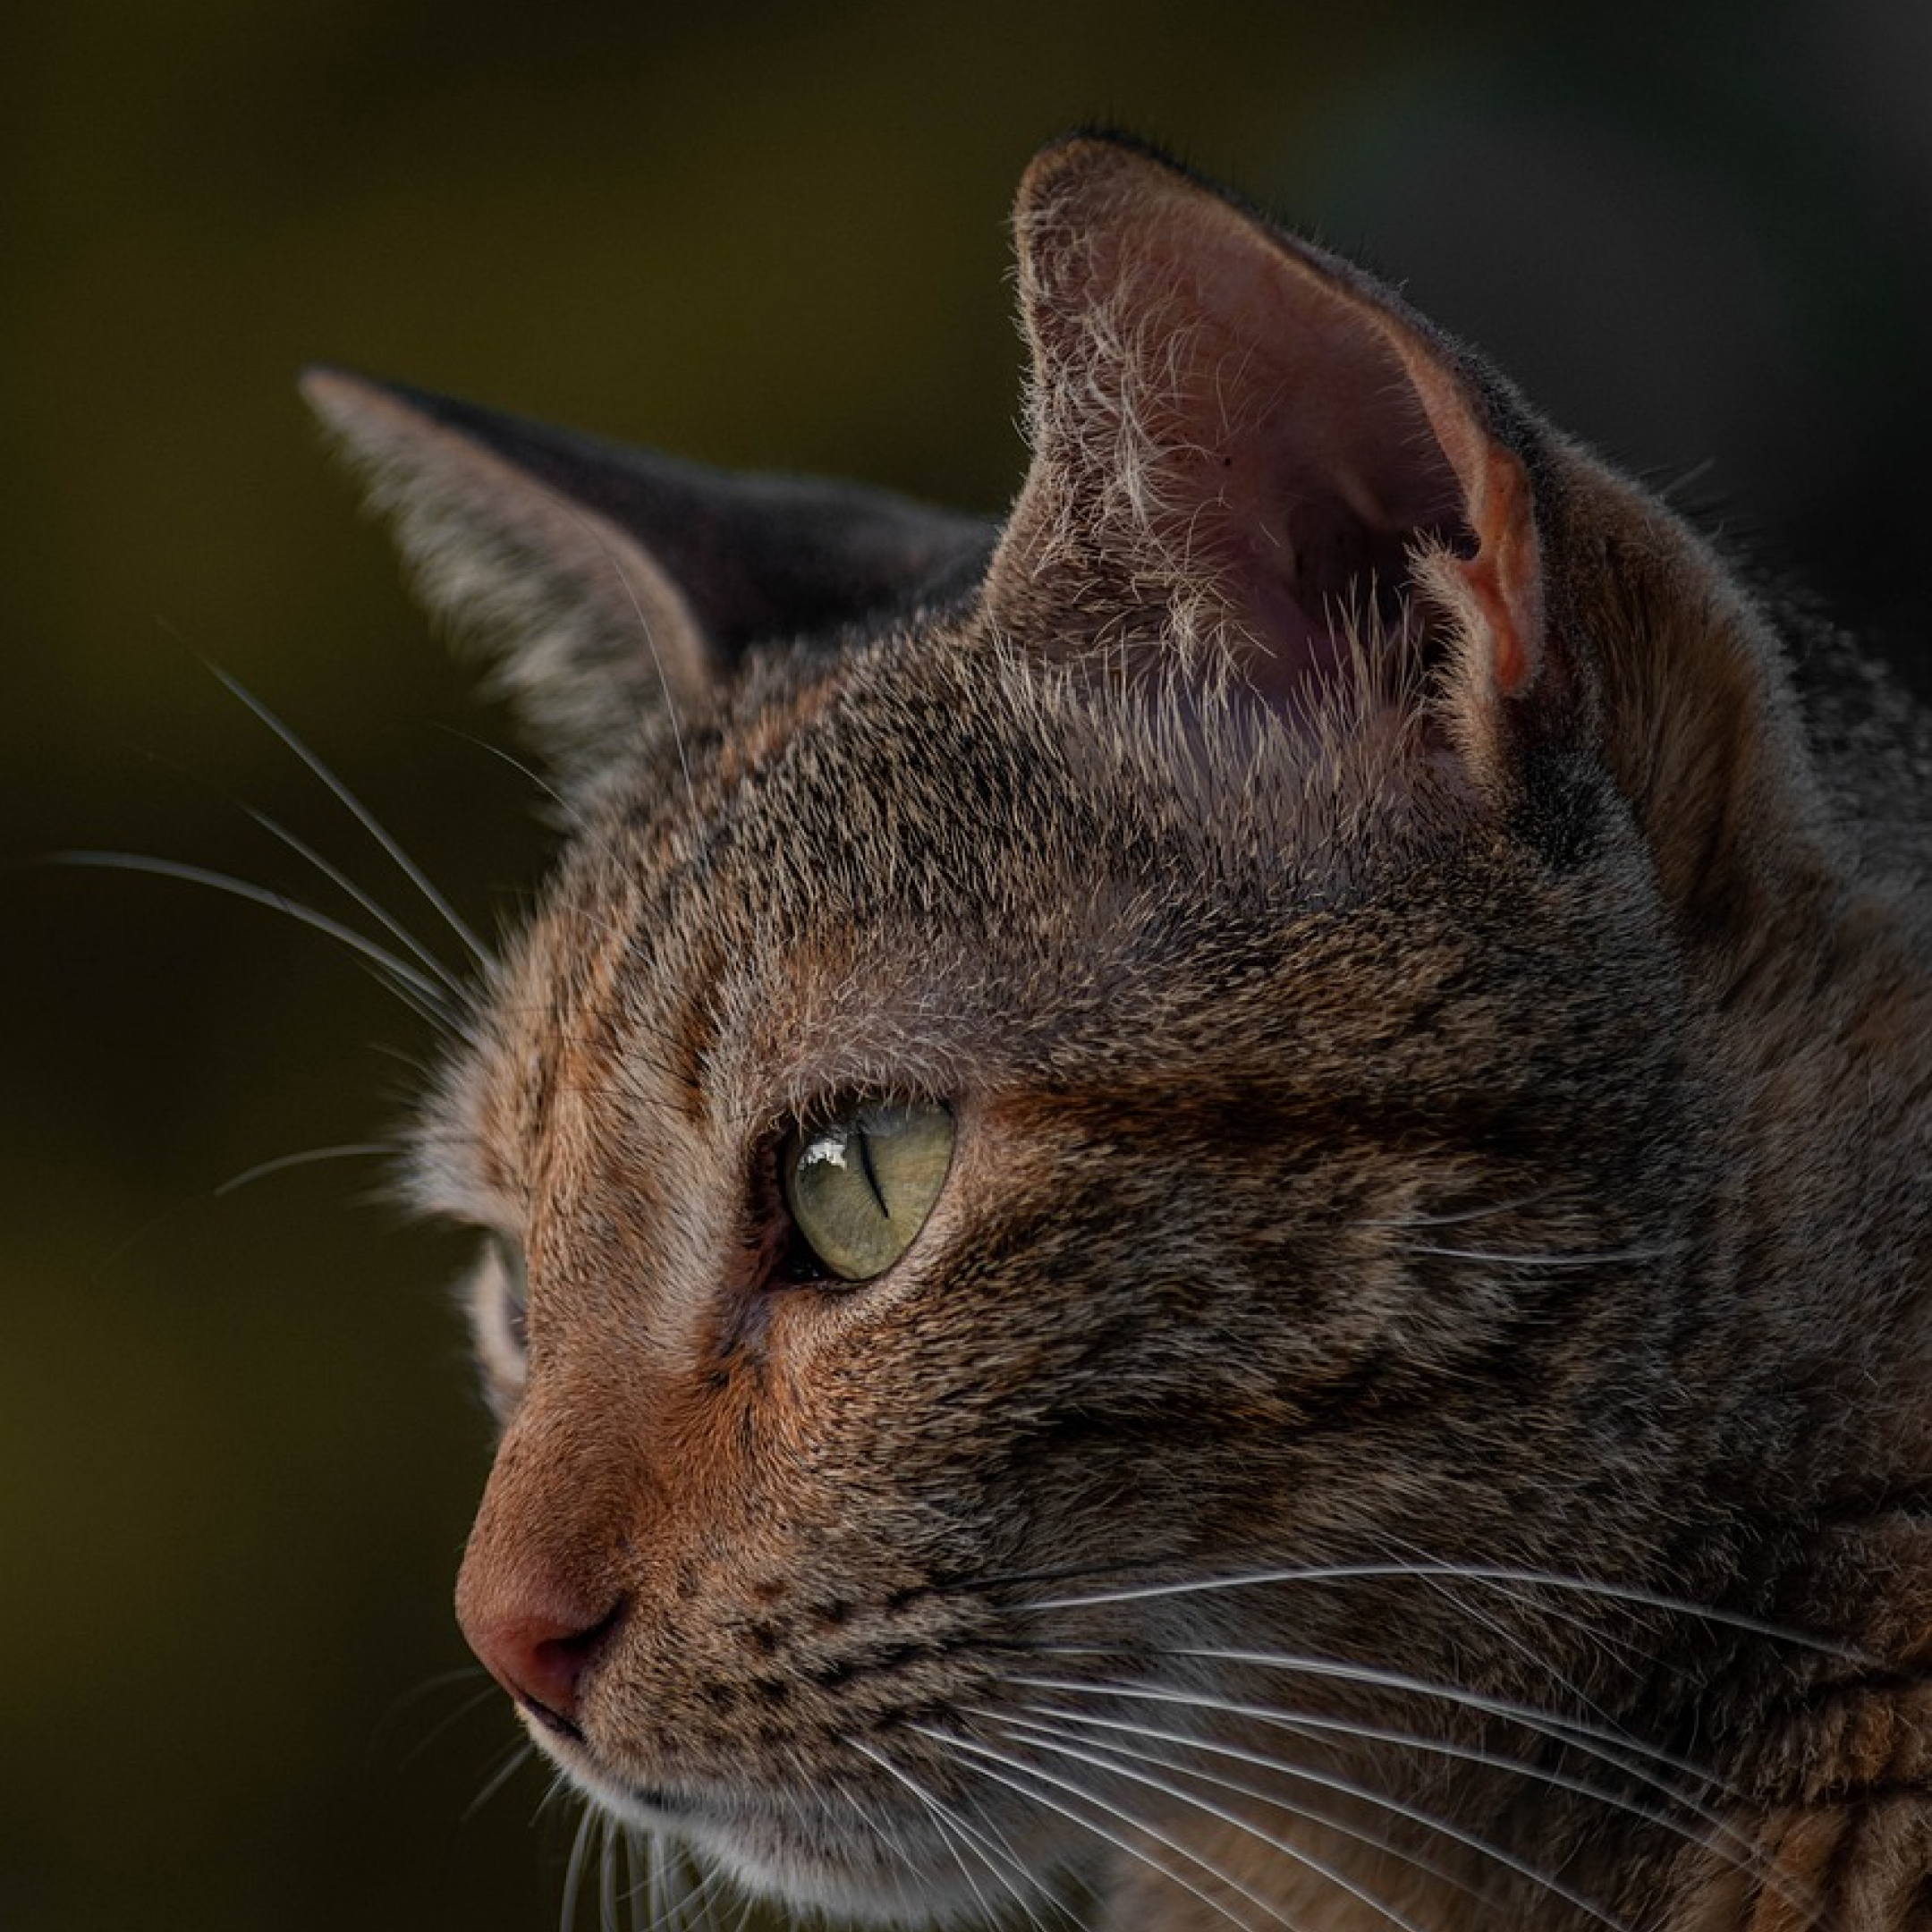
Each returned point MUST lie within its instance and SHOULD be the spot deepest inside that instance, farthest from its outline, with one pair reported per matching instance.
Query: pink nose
(537, 1646)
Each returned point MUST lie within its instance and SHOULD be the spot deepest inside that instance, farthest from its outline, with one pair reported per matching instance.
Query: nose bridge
(570, 1484)
(551, 1555)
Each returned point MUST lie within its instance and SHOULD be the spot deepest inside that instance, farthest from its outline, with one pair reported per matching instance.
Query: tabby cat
(1211, 1210)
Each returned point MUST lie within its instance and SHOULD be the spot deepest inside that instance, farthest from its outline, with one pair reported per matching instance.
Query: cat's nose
(538, 1642)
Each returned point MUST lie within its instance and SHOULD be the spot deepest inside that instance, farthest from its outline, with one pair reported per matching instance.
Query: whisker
(1609, 1638)
(363, 816)
(1108, 1809)
(1527, 1651)
(1491, 1573)
(1110, 1760)
(638, 1859)
(650, 644)
(558, 1791)
(367, 901)
(518, 766)
(893, 1847)
(711, 1892)
(1559, 1260)
(1345, 1787)
(475, 1701)
(428, 996)
(653, 1900)
(608, 1919)
(1458, 1217)
(1560, 1731)
(575, 1870)
(517, 1755)
(282, 1163)
(944, 1815)
(1610, 1749)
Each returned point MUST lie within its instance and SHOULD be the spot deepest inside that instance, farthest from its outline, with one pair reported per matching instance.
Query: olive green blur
(238, 1442)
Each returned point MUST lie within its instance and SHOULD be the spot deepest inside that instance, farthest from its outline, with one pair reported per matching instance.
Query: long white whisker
(1742, 1853)
(1344, 1787)
(1457, 1217)
(1558, 1260)
(636, 1865)
(1110, 1760)
(894, 1842)
(1612, 1747)
(657, 1878)
(282, 1163)
(364, 818)
(608, 1919)
(1608, 1638)
(939, 1818)
(430, 997)
(1492, 1573)
(519, 1755)
(710, 1896)
(1527, 1651)
(991, 1757)
(573, 1871)
(367, 901)
(951, 1825)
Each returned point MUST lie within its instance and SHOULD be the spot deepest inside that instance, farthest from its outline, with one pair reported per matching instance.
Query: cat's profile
(1211, 1210)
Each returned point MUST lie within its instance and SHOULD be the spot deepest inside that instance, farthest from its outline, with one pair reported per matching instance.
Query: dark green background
(237, 1444)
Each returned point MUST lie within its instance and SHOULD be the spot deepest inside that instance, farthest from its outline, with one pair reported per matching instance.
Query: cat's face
(1190, 1108)
(1089, 1105)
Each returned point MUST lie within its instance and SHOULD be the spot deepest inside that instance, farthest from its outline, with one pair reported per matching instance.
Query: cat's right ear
(607, 582)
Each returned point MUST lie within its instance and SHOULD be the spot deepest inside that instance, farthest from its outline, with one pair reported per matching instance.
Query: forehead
(928, 864)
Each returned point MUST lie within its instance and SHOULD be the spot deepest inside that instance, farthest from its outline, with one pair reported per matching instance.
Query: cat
(1211, 1209)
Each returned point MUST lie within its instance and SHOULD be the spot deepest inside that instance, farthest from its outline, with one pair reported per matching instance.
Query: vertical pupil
(860, 1186)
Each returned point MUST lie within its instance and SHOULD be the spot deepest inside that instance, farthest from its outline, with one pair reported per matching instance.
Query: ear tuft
(1247, 453)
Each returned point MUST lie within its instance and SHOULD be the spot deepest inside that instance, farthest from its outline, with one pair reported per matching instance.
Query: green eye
(859, 1187)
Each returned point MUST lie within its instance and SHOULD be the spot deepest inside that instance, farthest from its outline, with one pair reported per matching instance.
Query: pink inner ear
(1318, 474)
(1254, 433)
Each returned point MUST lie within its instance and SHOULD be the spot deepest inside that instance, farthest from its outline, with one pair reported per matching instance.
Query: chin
(803, 1855)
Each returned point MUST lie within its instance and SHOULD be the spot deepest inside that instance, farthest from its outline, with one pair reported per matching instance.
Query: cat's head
(1068, 1066)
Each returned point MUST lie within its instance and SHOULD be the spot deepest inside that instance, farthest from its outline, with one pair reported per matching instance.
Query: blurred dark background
(238, 1447)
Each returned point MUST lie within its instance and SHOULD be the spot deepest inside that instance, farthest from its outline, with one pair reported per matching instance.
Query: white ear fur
(580, 615)
(1251, 436)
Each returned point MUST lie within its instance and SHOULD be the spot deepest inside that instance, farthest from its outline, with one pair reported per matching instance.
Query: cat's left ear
(1248, 455)
(608, 582)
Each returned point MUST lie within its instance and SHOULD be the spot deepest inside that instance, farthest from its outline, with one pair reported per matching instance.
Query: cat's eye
(861, 1185)
(499, 1320)
(513, 1291)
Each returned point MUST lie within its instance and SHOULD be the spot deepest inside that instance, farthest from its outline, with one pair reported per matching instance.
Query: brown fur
(1438, 1038)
